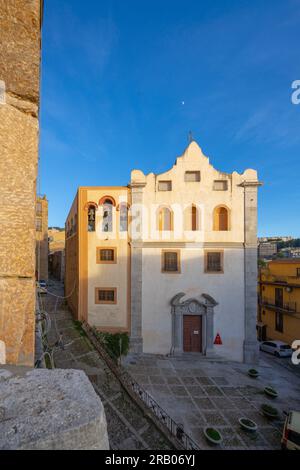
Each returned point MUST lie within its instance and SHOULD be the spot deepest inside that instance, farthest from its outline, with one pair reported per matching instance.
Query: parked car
(278, 348)
(41, 286)
(291, 431)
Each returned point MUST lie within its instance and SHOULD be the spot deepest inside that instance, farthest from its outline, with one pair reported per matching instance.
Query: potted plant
(271, 392)
(253, 373)
(269, 411)
(213, 436)
(248, 424)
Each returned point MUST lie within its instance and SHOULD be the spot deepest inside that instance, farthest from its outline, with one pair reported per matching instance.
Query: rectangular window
(105, 295)
(170, 261)
(165, 186)
(38, 225)
(39, 208)
(192, 176)
(220, 185)
(279, 322)
(214, 262)
(106, 255)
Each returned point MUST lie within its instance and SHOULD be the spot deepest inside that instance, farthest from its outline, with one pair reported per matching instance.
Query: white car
(278, 348)
(291, 431)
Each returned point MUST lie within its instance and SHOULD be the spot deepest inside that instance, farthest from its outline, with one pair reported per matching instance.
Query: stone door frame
(192, 306)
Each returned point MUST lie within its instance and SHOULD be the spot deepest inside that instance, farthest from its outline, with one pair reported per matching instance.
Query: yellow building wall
(280, 272)
(108, 317)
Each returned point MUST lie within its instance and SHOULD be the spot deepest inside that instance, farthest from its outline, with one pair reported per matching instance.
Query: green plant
(213, 434)
(269, 410)
(78, 327)
(117, 344)
(248, 422)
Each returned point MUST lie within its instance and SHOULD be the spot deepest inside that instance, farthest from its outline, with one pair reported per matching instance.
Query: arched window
(221, 218)
(107, 224)
(123, 210)
(165, 219)
(191, 218)
(91, 218)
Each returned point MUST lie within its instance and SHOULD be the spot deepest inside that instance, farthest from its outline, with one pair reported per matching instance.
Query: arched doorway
(192, 324)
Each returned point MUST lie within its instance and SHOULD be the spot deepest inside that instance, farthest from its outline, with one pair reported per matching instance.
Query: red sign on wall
(218, 339)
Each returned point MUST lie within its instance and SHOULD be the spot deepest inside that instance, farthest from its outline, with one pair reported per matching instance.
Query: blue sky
(115, 74)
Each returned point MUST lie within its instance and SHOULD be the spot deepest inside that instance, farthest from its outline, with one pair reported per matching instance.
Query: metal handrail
(174, 428)
(289, 306)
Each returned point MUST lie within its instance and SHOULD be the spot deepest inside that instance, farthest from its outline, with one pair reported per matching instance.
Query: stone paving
(127, 427)
(199, 392)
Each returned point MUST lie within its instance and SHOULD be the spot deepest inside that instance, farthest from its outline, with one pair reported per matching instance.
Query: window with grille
(106, 296)
(170, 261)
(220, 185)
(214, 262)
(279, 322)
(39, 208)
(192, 176)
(38, 225)
(106, 255)
(165, 186)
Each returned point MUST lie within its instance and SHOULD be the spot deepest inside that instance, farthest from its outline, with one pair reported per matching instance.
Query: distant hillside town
(278, 247)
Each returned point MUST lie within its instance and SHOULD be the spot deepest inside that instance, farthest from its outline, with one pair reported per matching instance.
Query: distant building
(171, 259)
(56, 239)
(274, 239)
(279, 300)
(41, 225)
(267, 250)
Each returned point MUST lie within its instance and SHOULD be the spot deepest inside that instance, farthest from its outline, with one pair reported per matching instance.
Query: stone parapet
(50, 410)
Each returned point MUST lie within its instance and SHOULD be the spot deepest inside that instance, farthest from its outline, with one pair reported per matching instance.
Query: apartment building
(279, 300)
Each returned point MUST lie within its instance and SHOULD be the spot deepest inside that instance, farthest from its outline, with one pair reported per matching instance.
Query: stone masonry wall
(19, 103)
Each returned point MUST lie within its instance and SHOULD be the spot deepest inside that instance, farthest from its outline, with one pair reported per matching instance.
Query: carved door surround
(203, 306)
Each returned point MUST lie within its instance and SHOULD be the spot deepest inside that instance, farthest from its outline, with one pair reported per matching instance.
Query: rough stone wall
(50, 410)
(19, 72)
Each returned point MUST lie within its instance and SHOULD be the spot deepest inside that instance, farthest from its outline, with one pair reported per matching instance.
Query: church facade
(171, 259)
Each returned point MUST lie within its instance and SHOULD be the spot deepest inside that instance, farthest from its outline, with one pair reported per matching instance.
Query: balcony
(288, 307)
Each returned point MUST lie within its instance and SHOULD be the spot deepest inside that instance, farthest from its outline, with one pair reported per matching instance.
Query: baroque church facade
(171, 259)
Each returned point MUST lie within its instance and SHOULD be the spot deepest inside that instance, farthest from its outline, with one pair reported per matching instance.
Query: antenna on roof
(190, 137)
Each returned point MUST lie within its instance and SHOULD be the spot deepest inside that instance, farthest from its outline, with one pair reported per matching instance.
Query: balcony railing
(284, 306)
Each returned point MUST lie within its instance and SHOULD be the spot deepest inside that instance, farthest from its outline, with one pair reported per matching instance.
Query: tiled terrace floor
(198, 392)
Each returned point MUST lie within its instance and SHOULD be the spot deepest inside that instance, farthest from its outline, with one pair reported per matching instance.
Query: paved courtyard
(199, 392)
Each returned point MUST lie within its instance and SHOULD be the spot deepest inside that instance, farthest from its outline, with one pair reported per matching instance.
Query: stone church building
(171, 259)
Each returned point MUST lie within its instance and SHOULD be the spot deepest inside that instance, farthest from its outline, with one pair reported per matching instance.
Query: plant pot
(248, 424)
(253, 373)
(213, 436)
(269, 411)
(270, 392)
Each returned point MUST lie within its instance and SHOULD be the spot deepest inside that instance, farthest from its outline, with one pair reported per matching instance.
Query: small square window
(214, 262)
(165, 186)
(192, 176)
(105, 295)
(170, 261)
(106, 255)
(220, 185)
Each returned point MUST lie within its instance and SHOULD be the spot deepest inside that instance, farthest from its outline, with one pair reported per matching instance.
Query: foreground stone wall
(19, 101)
(50, 409)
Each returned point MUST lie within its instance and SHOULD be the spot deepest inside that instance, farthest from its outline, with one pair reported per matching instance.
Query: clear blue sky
(115, 74)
